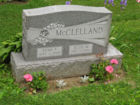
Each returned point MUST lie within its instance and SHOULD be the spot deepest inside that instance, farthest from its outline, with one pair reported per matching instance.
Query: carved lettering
(80, 31)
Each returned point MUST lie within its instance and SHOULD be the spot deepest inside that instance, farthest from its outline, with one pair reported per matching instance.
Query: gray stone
(63, 41)
(60, 68)
(64, 31)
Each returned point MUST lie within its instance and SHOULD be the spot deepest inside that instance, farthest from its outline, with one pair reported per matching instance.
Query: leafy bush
(91, 80)
(98, 70)
(12, 45)
(103, 70)
(37, 82)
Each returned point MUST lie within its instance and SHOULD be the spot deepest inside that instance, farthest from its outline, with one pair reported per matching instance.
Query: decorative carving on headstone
(42, 39)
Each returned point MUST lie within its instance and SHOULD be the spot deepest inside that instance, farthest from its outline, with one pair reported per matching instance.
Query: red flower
(109, 69)
(28, 77)
(114, 61)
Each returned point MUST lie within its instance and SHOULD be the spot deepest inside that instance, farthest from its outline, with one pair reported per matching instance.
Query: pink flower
(109, 69)
(138, 1)
(28, 77)
(114, 61)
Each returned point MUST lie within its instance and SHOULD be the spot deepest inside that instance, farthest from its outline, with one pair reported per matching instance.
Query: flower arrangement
(103, 70)
(36, 82)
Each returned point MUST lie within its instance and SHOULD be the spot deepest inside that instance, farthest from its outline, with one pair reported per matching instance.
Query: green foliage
(91, 79)
(39, 81)
(12, 45)
(125, 66)
(4, 66)
(118, 36)
(98, 71)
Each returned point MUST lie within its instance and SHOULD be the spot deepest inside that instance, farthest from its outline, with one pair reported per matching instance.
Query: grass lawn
(126, 35)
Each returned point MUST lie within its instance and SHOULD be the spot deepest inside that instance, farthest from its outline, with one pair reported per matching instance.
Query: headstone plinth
(61, 68)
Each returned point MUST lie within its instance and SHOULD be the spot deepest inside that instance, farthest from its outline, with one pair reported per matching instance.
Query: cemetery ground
(125, 35)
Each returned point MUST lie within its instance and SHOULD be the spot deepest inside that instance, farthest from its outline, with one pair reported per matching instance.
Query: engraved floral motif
(43, 36)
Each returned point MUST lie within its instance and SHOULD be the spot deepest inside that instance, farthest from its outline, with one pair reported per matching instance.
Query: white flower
(84, 79)
(60, 83)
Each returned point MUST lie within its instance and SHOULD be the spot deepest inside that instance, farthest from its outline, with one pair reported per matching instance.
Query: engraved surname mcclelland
(80, 31)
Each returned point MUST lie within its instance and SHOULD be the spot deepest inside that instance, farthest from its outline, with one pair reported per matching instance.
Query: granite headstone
(63, 41)
(64, 31)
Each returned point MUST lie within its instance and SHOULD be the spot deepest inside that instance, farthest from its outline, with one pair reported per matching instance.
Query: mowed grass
(126, 35)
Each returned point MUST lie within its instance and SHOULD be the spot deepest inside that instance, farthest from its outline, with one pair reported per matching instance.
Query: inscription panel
(80, 49)
(49, 52)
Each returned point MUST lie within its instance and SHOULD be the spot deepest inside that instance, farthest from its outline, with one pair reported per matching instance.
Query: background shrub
(39, 81)
(98, 71)
(12, 45)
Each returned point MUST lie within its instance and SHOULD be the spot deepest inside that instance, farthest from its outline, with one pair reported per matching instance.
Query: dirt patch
(74, 82)
(71, 82)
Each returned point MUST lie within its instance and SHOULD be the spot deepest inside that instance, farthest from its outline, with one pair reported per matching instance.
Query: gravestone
(63, 40)
(65, 31)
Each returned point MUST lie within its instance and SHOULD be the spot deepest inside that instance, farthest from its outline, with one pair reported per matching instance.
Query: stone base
(60, 68)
